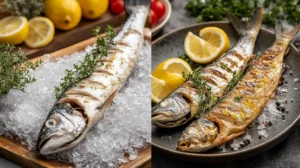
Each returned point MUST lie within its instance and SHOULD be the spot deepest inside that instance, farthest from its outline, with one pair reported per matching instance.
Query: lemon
(159, 89)
(92, 9)
(172, 79)
(174, 65)
(65, 14)
(216, 37)
(13, 29)
(41, 32)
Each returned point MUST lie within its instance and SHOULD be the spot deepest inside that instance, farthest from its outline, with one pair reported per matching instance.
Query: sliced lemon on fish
(173, 80)
(215, 36)
(159, 89)
(174, 65)
(201, 51)
(13, 29)
(41, 32)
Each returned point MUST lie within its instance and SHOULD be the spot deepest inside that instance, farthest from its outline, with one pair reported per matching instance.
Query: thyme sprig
(14, 69)
(235, 79)
(27, 8)
(86, 67)
(203, 89)
(238, 98)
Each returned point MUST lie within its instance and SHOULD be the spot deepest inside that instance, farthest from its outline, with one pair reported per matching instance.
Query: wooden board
(14, 151)
(83, 31)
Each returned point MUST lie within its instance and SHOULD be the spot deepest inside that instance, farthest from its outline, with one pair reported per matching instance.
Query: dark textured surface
(286, 154)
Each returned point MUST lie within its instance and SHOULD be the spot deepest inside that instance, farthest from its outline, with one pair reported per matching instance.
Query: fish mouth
(189, 145)
(44, 148)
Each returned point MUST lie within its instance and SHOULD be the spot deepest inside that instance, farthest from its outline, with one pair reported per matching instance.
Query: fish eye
(50, 123)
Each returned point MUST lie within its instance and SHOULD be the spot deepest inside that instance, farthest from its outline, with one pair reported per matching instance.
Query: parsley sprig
(86, 67)
(203, 89)
(213, 10)
(14, 69)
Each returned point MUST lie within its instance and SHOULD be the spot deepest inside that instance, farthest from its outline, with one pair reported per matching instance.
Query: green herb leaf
(14, 69)
(27, 8)
(213, 10)
(86, 67)
(238, 98)
(235, 79)
(203, 90)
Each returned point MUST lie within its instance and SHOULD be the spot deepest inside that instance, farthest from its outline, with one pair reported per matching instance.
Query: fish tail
(250, 26)
(282, 32)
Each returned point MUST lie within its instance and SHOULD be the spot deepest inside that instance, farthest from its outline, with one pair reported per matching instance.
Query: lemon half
(13, 29)
(41, 32)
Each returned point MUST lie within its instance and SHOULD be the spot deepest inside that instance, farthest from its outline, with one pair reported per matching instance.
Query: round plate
(162, 21)
(171, 45)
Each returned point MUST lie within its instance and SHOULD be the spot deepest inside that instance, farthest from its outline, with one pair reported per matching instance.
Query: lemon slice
(174, 65)
(41, 32)
(159, 89)
(216, 37)
(13, 29)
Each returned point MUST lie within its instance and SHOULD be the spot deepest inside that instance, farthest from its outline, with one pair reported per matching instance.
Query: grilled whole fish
(233, 114)
(183, 104)
(82, 106)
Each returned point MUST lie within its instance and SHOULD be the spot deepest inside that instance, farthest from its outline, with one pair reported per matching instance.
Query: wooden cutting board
(14, 151)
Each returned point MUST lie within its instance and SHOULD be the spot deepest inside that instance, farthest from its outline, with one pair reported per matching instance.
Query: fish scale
(236, 60)
(230, 117)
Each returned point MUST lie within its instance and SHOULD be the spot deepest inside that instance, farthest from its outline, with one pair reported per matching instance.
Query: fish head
(63, 126)
(171, 111)
(198, 137)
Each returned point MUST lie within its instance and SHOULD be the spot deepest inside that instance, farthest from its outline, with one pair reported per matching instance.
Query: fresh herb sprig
(14, 69)
(203, 89)
(27, 8)
(86, 67)
(213, 10)
(235, 79)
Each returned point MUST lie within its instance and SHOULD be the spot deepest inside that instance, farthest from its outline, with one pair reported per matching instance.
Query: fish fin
(282, 32)
(244, 27)
(228, 138)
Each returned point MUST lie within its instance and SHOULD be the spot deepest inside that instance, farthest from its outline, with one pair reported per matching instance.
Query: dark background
(285, 155)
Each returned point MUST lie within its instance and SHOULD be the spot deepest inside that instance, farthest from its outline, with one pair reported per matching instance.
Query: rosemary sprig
(235, 79)
(14, 69)
(203, 89)
(86, 67)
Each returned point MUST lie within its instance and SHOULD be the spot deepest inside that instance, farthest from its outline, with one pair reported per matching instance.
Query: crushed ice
(124, 130)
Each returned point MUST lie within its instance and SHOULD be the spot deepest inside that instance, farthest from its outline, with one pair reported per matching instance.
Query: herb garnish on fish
(85, 68)
(14, 69)
(238, 98)
(204, 91)
(235, 79)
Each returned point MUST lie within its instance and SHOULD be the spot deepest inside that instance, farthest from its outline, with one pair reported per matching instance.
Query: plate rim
(232, 153)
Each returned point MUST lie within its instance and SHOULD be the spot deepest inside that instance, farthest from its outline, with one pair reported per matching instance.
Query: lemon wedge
(13, 29)
(41, 32)
(171, 79)
(206, 50)
(174, 65)
(216, 37)
(159, 89)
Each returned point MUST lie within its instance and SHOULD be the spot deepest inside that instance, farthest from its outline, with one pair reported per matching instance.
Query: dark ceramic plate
(171, 45)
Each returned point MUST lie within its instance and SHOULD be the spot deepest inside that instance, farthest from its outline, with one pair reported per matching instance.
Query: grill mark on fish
(121, 43)
(232, 62)
(210, 80)
(236, 54)
(89, 81)
(81, 93)
(103, 71)
(217, 73)
(132, 31)
(115, 50)
(91, 85)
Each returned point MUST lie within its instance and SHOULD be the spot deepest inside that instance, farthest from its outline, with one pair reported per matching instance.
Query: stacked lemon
(211, 44)
(167, 77)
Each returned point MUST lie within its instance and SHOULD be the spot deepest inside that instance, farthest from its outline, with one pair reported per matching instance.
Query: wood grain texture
(14, 151)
